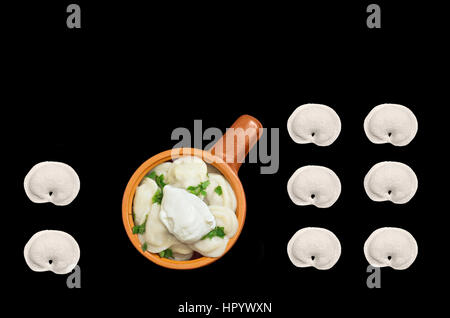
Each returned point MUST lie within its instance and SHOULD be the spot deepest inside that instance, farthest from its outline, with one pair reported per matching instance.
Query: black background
(105, 98)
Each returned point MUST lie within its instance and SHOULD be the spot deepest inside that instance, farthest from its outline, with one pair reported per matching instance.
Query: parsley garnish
(152, 175)
(166, 253)
(200, 189)
(158, 179)
(218, 231)
(144, 246)
(157, 197)
(218, 190)
(140, 229)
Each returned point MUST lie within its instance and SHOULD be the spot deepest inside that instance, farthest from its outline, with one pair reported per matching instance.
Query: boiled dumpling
(143, 199)
(211, 247)
(181, 252)
(156, 234)
(187, 171)
(225, 218)
(227, 197)
(182, 257)
(163, 169)
(180, 248)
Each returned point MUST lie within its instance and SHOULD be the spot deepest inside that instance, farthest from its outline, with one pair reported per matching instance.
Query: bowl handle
(239, 139)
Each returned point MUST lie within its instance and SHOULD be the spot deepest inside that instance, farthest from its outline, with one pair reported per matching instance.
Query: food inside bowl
(185, 209)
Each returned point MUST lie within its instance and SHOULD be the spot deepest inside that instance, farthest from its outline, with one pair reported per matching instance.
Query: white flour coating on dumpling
(391, 181)
(52, 181)
(314, 185)
(313, 246)
(314, 123)
(390, 246)
(51, 250)
(391, 123)
(219, 192)
(187, 171)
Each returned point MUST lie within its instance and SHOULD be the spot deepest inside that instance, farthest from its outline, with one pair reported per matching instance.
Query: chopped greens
(157, 197)
(218, 231)
(140, 229)
(218, 190)
(158, 179)
(144, 246)
(166, 253)
(152, 175)
(200, 189)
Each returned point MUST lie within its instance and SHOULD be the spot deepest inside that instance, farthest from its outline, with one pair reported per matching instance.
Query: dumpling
(314, 123)
(51, 181)
(51, 250)
(211, 247)
(163, 168)
(314, 185)
(143, 199)
(181, 252)
(180, 248)
(313, 246)
(187, 171)
(182, 257)
(156, 234)
(225, 218)
(391, 123)
(391, 181)
(227, 198)
(391, 246)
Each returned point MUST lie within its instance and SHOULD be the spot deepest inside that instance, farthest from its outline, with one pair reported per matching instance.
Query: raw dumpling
(225, 218)
(163, 168)
(227, 198)
(51, 250)
(187, 171)
(314, 123)
(51, 181)
(313, 246)
(143, 199)
(156, 234)
(211, 247)
(314, 185)
(391, 123)
(391, 181)
(390, 246)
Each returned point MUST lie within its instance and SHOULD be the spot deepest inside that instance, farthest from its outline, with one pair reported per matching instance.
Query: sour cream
(185, 215)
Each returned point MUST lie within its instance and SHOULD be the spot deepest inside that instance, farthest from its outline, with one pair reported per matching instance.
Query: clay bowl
(226, 155)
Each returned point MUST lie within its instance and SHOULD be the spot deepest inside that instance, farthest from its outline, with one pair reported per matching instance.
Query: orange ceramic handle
(239, 139)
